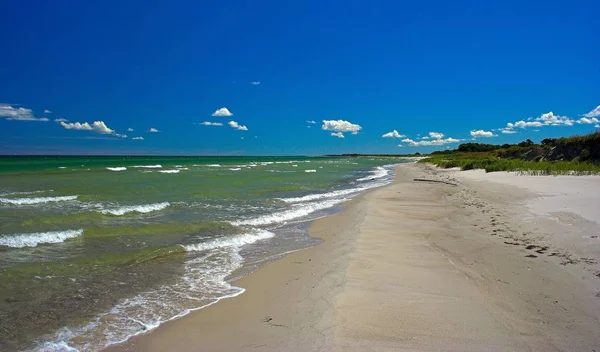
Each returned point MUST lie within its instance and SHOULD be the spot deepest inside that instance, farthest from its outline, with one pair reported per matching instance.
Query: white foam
(144, 208)
(169, 171)
(235, 169)
(33, 239)
(379, 172)
(122, 168)
(310, 170)
(230, 241)
(148, 166)
(213, 165)
(24, 193)
(62, 167)
(36, 200)
(203, 284)
(297, 211)
(316, 196)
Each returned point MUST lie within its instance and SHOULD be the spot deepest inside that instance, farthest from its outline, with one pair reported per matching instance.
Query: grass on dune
(491, 163)
(575, 155)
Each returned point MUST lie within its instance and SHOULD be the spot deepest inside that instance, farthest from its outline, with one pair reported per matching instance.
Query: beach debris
(269, 319)
(436, 181)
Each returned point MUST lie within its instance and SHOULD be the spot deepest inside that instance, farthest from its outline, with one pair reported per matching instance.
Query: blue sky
(367, 68)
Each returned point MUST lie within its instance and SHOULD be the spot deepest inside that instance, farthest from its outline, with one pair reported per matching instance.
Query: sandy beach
(481, 262)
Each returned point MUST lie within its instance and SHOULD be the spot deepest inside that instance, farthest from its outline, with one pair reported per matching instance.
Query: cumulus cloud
(97, 126)
(432, 142)
(237, 126)
(393, 134)
(222, 112)
(153, 130)
(18, 113)
(340, 126)
(554, 120)
(138, 138)
(60, 119)
(593, 113)
(47, 111)
(482, 133)
(130, 129)
(337, 134)
(255, 83)
(208, 123)
(436, 135)
(120, 135)
(587, 120)
(547, 119)
(312, 122)
(507, 131)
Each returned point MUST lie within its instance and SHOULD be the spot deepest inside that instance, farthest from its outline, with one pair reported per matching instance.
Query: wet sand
(419, 266)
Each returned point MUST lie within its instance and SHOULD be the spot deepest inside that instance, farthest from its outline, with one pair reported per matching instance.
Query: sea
(95, 250)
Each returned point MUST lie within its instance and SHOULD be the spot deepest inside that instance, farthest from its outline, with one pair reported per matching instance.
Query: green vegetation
(578, 155)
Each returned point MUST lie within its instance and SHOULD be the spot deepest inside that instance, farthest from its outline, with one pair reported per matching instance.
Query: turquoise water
(94, 250)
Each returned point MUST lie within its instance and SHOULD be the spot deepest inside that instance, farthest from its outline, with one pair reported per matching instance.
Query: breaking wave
(36, 200)
(33, 239)
(144, 208)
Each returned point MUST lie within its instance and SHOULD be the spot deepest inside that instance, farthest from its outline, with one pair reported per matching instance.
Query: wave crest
(33, 239)
(36, 200)
(144, 208)
(230, 241)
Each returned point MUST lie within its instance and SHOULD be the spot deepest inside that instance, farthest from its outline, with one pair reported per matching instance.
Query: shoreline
(409, 266)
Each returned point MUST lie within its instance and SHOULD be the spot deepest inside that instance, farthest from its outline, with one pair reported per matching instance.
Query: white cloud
(524, 124)
(97, 126)
(507, 131)
(593, 113)
(208, 123)
(312, 122)
(554, 120)
(18, 114)
(436, 135)
(60, 119)
(482, 133)
(138, 138)
(400, 145)
(425, 137)
(153, 130)
(437, 141)
(337, 134)
(120, 135)
(237, 126)
(47, 111)
(222, 112)
(130, 129)
(393, 134)
(255, 83)
(587, 120)
(340, 126)
(547, 119)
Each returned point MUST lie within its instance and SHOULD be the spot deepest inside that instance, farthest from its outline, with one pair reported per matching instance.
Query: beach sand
(488, 264)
